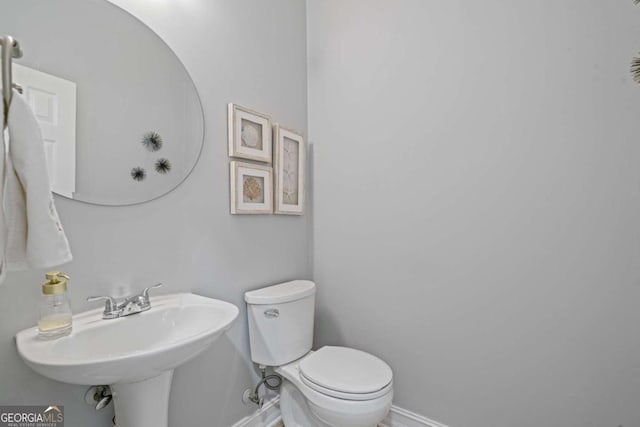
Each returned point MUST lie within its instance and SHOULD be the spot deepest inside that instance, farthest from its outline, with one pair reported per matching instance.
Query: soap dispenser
(55, 312)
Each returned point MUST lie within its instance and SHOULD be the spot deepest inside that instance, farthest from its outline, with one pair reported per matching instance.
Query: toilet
(332, 386)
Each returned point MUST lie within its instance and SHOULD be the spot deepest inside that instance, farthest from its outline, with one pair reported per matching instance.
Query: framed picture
(290, 161)
(249, 134)
(251, 188)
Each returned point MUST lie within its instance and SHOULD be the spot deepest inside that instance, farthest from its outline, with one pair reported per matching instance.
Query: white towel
(33, 236)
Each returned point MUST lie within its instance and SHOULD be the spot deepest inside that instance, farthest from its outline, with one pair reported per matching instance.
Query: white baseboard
(399, 417)
(269, 416)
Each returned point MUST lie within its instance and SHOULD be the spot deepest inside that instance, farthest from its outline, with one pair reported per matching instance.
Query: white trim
(399, 417)
(267, 416)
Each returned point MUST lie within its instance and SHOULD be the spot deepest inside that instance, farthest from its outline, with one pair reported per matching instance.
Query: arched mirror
(120, 115)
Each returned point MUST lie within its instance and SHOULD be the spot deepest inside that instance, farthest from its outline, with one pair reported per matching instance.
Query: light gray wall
(245, 51)
(477, 212)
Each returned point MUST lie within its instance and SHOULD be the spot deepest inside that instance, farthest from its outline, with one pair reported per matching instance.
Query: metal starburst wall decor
(163, 166)
(152, 141)
(138, 173)
(635, 62)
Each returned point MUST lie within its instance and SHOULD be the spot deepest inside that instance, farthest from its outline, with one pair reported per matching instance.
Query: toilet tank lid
(284, 292)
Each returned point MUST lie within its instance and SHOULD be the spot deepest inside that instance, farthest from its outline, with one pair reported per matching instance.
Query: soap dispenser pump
(55, 312)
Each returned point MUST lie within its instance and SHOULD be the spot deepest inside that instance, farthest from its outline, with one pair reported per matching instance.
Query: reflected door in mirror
(53, 101)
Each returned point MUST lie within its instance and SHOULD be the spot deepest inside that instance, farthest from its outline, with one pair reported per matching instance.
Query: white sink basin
(127, 351)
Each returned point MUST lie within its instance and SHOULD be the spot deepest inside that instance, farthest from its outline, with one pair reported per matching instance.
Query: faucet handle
(110, 305)
(145, 292)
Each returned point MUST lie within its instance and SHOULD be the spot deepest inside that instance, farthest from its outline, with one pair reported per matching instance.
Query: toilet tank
(281, 322)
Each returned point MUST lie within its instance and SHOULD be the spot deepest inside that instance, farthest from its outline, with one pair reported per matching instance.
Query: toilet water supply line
(254, 395)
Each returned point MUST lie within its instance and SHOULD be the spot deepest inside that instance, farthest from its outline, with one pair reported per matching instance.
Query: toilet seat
(329, 407)
(345, 396)
(346, 373)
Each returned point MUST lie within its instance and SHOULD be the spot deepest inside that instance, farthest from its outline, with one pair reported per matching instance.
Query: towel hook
(10, 49)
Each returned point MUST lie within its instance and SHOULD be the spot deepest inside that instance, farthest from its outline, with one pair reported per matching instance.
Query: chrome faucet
(131, 305)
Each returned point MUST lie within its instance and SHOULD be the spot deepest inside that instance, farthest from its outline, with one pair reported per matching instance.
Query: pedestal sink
(135, 355)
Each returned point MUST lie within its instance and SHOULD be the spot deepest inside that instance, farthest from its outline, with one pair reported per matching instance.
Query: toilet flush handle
(272, 313)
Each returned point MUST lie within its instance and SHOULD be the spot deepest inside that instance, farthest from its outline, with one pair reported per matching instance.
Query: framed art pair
(262, 188)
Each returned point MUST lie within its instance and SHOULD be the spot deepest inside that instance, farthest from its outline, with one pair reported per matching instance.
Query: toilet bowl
(330, 387)
(357, 392)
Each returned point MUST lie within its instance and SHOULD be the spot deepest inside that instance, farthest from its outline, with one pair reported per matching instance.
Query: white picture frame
(251, 188)
(290, 156)
(249, 134)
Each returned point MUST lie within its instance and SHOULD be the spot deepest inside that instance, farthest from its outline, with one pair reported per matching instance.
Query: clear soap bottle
(55, 311)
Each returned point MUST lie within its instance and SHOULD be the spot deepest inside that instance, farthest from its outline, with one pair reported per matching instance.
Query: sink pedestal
(143, 404)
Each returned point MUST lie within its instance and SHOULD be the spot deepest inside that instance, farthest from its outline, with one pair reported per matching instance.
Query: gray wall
(245, 51)
(477, 211)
